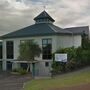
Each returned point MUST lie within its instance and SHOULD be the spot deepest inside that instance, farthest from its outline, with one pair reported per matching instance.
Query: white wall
(43, 70)
(77, 40)
(17, 43)
(4, 49)
(68, 41)
(57, 42)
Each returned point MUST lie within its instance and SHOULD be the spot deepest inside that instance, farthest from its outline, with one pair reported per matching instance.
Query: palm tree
(28, 51)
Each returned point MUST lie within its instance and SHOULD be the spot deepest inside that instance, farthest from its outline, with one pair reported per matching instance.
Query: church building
(48, 36)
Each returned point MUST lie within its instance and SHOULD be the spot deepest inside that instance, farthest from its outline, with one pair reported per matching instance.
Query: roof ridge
(76, 27)
(59, 28)
(68, 31)
(62, 29)
(52, 28)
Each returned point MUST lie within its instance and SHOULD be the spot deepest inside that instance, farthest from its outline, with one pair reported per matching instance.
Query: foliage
(83, 57)
(85, 42)
(77, 57)
(28, 51)
(15, 70)
(70, 65)
(20, 71)
(58, 67)
(71, 52)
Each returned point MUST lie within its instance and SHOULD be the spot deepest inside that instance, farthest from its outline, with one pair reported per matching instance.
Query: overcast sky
(15, 14)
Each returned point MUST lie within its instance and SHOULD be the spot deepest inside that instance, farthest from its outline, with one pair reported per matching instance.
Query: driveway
(12, 82)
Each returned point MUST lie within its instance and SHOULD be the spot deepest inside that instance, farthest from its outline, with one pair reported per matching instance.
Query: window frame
(12, 49)
(48, 55)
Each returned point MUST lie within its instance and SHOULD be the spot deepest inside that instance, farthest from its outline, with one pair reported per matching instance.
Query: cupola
(44, 17)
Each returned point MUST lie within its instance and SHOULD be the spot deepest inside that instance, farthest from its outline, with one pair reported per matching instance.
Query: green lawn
(75, 78)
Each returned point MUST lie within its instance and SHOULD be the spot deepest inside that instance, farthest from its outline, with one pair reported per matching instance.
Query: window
(47, 48)
(9, 50)
(0, 50)
(46, 64)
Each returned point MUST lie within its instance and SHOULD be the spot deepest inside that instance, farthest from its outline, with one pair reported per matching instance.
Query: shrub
(58, 68)
(77, 58)
(83, 57)
(15, 70)
(71, 65)
(21, 71)
(71, 52)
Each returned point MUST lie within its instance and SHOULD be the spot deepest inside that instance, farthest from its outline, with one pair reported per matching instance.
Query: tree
(28, 51)
(85, 42)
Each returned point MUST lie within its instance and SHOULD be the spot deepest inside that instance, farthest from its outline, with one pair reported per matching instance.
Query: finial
(44, 7)
(45, 4)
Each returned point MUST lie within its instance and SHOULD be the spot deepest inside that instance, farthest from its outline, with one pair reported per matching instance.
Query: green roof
(37, 30)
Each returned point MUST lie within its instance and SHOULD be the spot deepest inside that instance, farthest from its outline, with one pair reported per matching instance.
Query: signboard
(61, 57)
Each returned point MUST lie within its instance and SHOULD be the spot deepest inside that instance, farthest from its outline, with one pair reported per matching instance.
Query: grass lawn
(75, 78)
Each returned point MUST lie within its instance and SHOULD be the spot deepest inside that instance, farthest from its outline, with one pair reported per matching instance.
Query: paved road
(12, 82)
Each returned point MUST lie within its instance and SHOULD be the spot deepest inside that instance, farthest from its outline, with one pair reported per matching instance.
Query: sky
(16, 14)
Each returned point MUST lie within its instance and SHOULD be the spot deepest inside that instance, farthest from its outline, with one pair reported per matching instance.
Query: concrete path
(12, 82)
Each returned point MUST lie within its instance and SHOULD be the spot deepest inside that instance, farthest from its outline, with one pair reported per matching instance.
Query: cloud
(15, 14)
(68, 11)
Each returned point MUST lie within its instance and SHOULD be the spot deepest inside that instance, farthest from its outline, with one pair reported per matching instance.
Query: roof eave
(49, 34)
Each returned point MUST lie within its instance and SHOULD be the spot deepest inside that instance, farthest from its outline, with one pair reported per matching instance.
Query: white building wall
(68, 41)
(77, 40)
(4, 56)
(4, 49)
(36, 39)
(57, 42)
(42, 70)
(16, 48)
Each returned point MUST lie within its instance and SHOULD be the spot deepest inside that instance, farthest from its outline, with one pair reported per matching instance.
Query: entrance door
(9, 65)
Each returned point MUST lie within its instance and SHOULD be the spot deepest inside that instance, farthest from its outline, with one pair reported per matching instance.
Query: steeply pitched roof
(44, 15)
(37, 30)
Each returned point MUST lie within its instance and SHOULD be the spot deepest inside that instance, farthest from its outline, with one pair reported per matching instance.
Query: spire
(44, 17)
